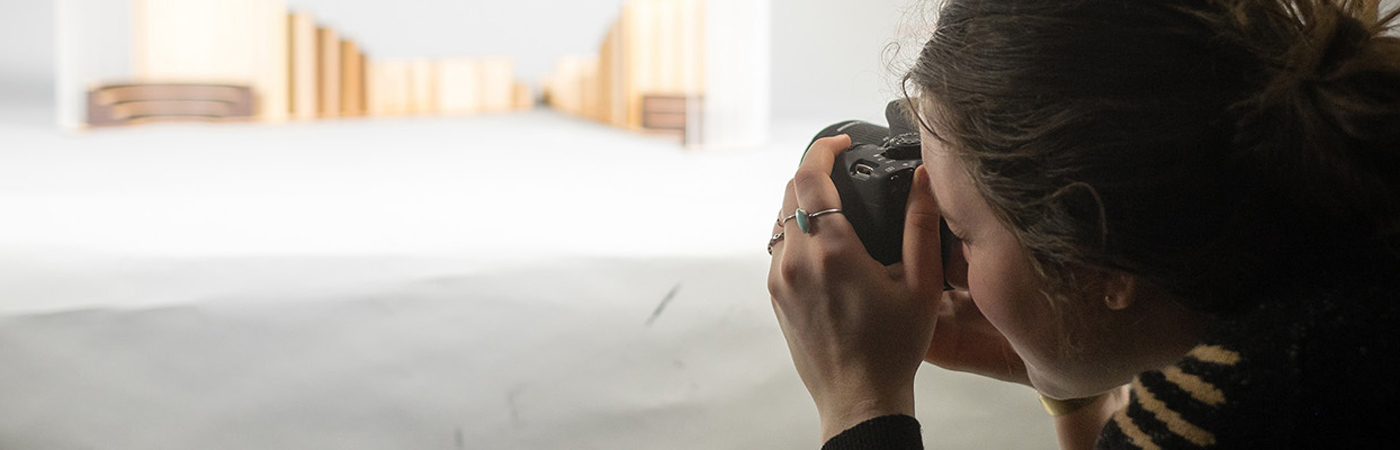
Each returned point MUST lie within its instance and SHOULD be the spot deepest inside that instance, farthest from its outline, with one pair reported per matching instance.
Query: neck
(1162, 331)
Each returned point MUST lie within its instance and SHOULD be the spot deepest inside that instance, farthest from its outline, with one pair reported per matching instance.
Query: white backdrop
(26, 47)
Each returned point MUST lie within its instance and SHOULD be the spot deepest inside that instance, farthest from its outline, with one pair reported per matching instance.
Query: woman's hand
(857, 330)
(966, 342)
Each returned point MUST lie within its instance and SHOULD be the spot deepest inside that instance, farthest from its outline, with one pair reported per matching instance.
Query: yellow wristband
(1058, 408)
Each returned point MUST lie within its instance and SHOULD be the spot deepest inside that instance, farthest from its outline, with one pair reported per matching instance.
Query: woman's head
(1203, 146)
(1148, 162)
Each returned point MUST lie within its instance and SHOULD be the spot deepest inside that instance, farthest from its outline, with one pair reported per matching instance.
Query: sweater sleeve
(895, 432)
(1218, 396)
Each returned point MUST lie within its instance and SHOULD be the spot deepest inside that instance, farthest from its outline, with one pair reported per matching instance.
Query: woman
(1178, 223)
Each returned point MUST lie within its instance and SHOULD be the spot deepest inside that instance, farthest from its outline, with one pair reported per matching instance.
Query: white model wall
(831, 58)
(96, 49)
(26, 48)
(737, 74)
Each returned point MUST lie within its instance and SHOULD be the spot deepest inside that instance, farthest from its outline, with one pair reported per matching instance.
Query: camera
(874, 176)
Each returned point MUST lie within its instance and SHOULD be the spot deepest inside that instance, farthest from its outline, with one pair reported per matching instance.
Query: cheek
(995, 289)
(1007, 291)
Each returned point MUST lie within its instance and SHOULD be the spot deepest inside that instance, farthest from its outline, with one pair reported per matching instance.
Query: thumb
(923, 250)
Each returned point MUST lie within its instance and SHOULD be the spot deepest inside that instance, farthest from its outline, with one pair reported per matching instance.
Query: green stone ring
(804, 218)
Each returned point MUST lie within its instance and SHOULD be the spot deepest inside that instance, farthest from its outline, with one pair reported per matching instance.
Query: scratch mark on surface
(512, 399)
(662, 307)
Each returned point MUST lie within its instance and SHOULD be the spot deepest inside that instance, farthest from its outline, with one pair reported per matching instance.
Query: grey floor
(389, 285)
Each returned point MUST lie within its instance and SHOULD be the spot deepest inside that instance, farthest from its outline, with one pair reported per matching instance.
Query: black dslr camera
(874, 177)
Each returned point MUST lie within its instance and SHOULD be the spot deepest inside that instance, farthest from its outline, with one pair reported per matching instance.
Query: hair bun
(1326, 122)
(1326, 44)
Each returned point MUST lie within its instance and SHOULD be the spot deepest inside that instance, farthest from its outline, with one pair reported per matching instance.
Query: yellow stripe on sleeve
(1215, 354)
(1198, 389)
(1134, 433)
(1174, 421)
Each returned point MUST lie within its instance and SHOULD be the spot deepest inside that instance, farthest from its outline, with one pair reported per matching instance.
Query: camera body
(874, 176)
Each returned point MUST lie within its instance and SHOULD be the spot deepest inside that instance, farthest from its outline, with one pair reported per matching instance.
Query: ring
(783, 221)
(804, 218)
(773, 241)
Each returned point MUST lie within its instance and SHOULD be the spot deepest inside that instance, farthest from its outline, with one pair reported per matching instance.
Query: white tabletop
(521, 281)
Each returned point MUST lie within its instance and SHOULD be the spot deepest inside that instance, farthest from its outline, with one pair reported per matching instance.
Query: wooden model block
(328, 62)
(671, 114)
(459, 86)
(123, 104)
(352, 80)
(304, 84)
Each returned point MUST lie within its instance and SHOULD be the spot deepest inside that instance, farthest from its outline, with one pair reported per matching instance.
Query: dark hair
(1224, 150)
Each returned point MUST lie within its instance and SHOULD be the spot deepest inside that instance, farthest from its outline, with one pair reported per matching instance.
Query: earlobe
(1120, 291)
(1116, 302)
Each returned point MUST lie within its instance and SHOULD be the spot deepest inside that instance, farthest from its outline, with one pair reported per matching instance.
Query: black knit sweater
(1321, 370)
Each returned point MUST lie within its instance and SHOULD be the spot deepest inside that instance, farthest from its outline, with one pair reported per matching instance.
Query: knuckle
(775, 285)
(832, 259)
(808, 179)
(792, 271)
(833, 256)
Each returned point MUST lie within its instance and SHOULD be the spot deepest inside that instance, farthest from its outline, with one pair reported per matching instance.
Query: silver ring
(784, 221)
(804, 218)
(774, 241)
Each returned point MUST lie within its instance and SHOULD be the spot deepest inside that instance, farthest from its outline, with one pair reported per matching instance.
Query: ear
(1120, 290)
